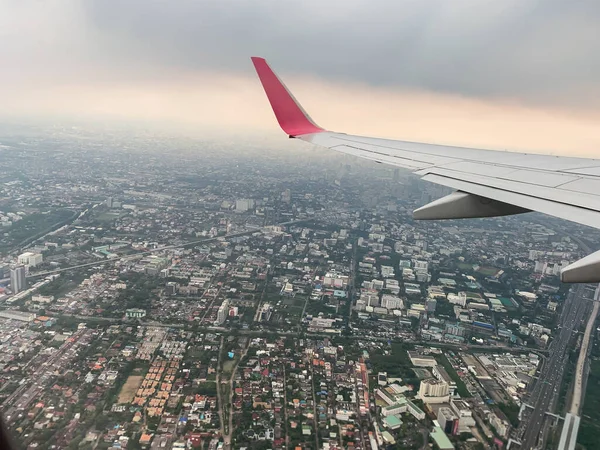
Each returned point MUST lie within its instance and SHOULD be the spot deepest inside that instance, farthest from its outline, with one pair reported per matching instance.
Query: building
(370, 298)
(430, 305)
(391, 302)
(135, 313)
(18, 315)
(392, 286)
(223, 312)
(265, 312)
(244, 204)
(465, 416)
(387, 272)
(422, 266)
(434, 391)
(419, 360)
(18, 280)
(382, 379)
(30, 259)
(394, 409)
(287, 290)
(440, 438)
(417, 412)
(440, 373)
(436, 292)
(431, 387)
(39, 299)
(412, 289)
(378, 284)
(455, 329)
(500, 424)
(4, 271)
(392, 422)
(448, 420)
(458, 299)
(171, 288)
(336, 280)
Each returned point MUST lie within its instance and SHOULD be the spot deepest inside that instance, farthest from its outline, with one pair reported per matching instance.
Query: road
(532, 430)
(159, 249)
(259, 332)
(314, 403)
(219, 396)
(578, 389)
(230, 409)
(28, 392)
(141, 253)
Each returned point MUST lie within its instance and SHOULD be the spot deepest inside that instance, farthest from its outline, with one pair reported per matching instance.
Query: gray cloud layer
(533, 51)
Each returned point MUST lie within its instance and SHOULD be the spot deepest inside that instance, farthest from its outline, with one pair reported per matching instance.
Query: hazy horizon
(512, 76)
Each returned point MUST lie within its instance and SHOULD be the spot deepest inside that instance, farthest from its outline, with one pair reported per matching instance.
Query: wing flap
(531, 189)
(564, 211)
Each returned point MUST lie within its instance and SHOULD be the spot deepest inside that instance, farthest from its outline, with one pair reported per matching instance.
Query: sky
(510, 74)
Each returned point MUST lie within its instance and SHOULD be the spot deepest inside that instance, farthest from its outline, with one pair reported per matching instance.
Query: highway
(580, 374)
(533, 427)
(143, 253)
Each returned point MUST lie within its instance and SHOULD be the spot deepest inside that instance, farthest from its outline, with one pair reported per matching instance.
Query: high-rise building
(448, 420)
(431, 305)
(434, 391)
(223, 312)
(18, 281)
(540, 267)
(265, 312)
(171, 288)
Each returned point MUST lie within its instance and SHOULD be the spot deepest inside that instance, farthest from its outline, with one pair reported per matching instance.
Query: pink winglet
(290, 115)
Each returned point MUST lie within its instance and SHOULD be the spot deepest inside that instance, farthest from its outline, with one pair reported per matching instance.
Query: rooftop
(441, 439)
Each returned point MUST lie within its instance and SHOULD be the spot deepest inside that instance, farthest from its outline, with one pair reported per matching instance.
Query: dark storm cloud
(534, 51)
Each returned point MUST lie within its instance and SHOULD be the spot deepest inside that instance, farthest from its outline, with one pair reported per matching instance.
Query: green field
(488, 271)
(298, 302)
(228, 367)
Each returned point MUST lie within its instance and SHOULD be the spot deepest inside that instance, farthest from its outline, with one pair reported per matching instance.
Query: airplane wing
(487, 183)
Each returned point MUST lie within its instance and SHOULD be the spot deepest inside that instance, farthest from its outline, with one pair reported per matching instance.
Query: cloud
(512, 73)
(537, 51)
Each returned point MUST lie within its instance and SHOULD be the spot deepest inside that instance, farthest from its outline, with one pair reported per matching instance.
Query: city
(189, 294)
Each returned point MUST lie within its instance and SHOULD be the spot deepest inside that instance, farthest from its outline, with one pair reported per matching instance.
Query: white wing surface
(488, 183)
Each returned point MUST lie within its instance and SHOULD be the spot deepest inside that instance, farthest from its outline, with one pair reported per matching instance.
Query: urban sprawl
(167, 293)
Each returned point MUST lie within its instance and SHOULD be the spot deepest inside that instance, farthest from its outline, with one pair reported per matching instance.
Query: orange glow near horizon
(225, 102)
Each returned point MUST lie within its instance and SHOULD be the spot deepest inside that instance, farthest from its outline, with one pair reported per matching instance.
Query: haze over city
(514, 74)
(177, 274)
